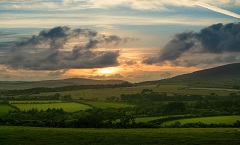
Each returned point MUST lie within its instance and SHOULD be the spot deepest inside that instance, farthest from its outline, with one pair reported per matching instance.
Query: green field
(66, 136)
(147, 119)
(104, 105)
(68, 107)
(5, 108)
(207, 120)
(102, 94)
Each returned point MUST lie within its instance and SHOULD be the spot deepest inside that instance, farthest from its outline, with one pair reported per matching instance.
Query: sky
(132, 40)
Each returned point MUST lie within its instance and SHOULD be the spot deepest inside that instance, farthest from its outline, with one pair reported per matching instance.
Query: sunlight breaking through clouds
(152, 21)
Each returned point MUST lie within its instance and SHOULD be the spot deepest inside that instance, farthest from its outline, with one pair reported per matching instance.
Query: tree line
(93, 118)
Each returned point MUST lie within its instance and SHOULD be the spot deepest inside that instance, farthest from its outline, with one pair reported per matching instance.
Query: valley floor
(10, 135)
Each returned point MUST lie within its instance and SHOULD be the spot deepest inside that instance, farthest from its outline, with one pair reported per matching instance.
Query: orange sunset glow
(130, 40)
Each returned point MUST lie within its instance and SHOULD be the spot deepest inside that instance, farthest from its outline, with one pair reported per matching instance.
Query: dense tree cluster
(92, 118)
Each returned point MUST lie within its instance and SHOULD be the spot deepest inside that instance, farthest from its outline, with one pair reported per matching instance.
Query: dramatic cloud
(219, 40)
(62, 48)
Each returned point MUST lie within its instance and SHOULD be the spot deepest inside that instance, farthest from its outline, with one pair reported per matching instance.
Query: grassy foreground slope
(57, 136)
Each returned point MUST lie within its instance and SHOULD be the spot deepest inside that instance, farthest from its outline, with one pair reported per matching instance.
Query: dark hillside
(226, 76)
(225, 72)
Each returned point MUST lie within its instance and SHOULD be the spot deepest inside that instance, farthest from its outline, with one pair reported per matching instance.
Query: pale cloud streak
(161, 4)
(39, 20)
(217, 9)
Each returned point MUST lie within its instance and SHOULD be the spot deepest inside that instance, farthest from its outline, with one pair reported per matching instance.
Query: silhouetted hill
(54, 83)
(225, 72)
(226, 76)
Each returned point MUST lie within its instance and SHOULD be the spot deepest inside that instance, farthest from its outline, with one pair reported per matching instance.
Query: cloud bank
(214, 44)
(62, 48)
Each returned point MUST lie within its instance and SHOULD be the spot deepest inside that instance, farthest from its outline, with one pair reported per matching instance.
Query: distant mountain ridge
(225, 72)
(225, 76)
(55, 83)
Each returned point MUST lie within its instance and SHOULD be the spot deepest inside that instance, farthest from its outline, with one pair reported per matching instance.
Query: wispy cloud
(47, 21)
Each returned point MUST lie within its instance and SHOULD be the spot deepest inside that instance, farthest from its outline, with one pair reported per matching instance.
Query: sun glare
(106, 71)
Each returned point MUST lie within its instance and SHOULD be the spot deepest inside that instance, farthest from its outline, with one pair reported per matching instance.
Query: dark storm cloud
(175, 48)
(215, 39)
(54, 38)
(53, 49)
(220, 38)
